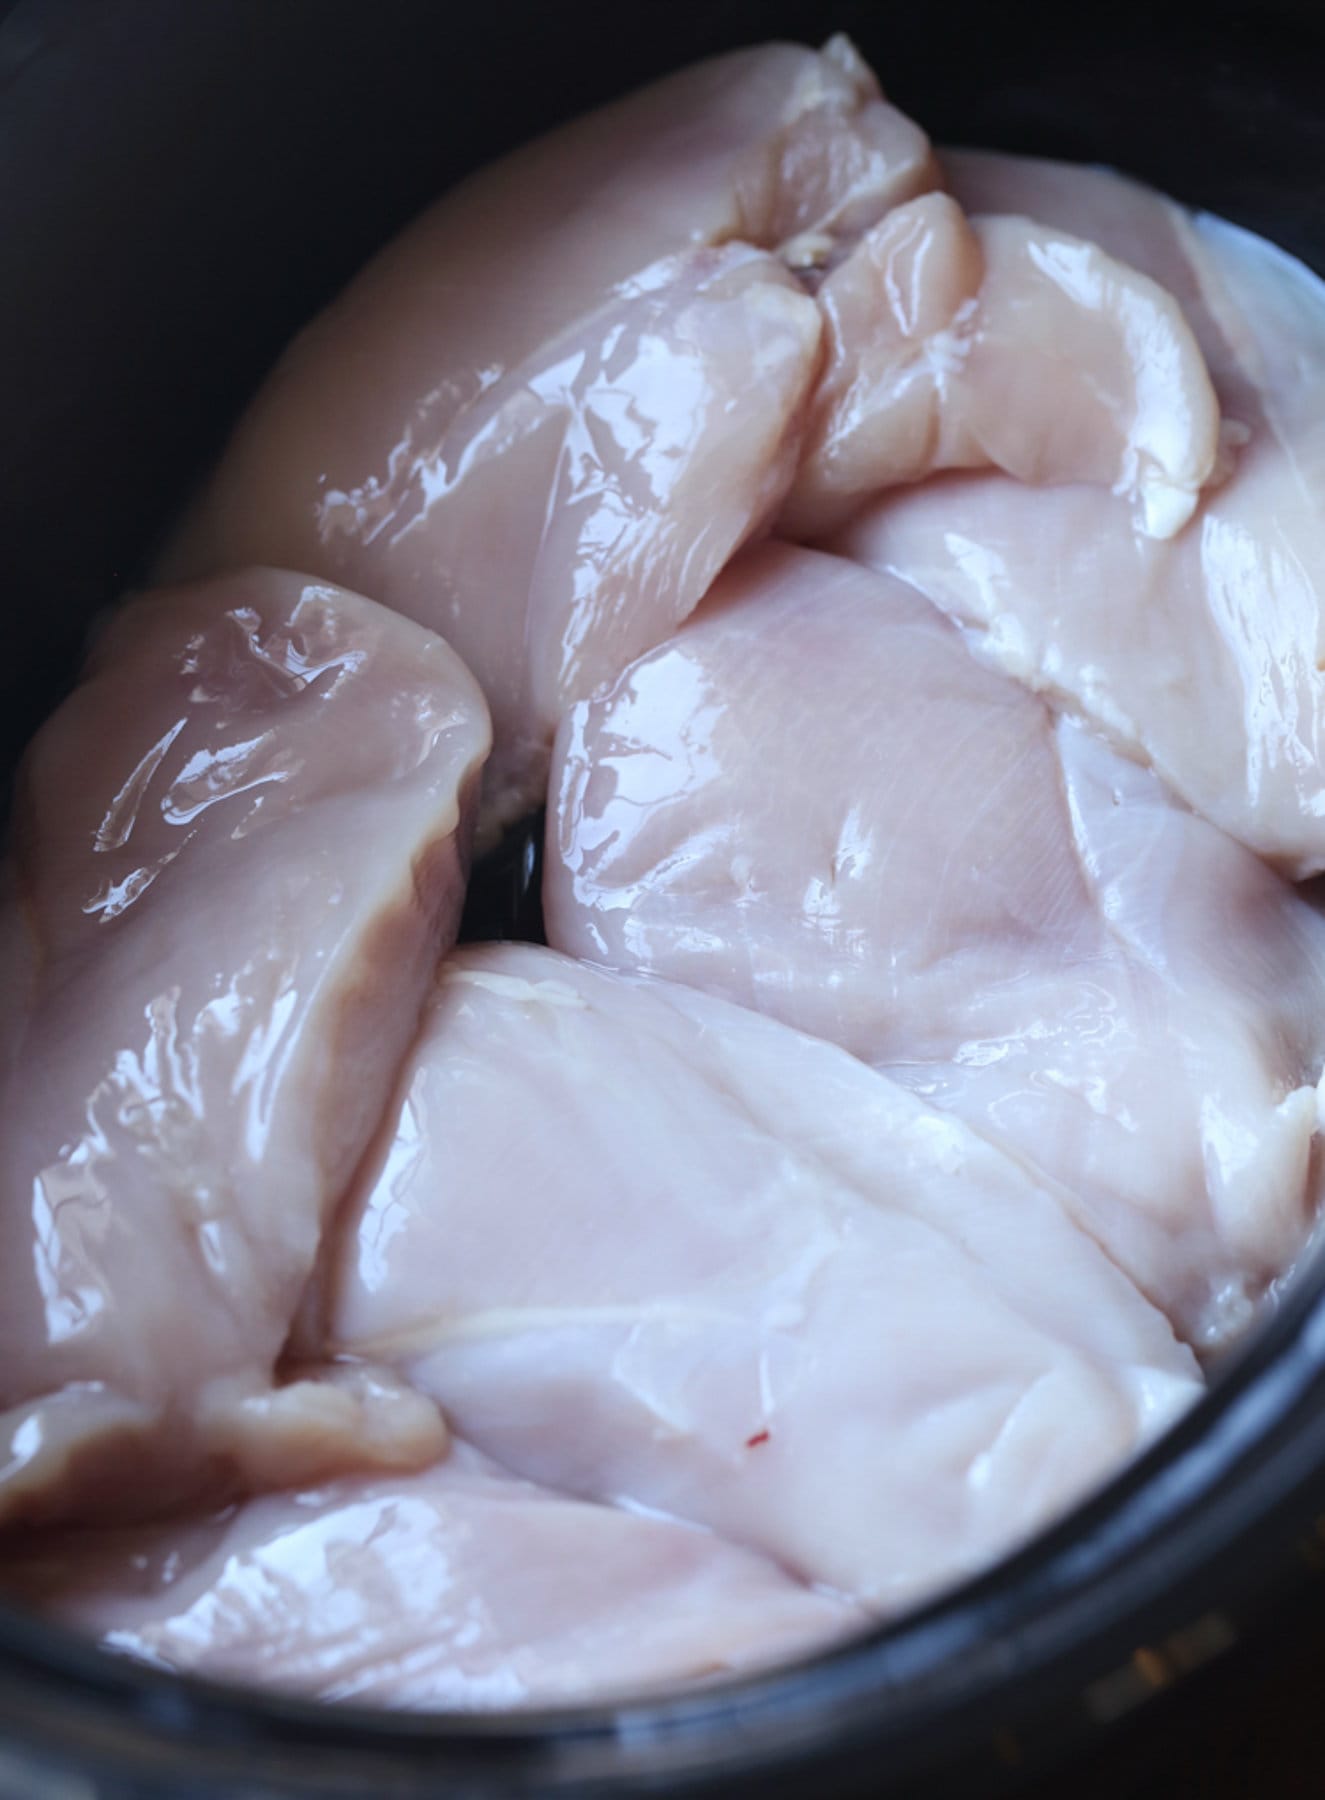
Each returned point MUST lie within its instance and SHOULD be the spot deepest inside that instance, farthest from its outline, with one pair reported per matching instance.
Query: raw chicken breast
(814, 801)
(1203, 655)
(646, 1246)
(458, 1588)
(995, 341)
(241, 846)
(542, 419)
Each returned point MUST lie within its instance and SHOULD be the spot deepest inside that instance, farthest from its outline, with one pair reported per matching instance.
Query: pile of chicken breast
(900, 577)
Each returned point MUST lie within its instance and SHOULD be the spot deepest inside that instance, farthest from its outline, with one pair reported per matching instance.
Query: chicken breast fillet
(994, 341)
(461, 1588)
(241, 847)
(814, 801)
(1203, 655)
(645, 1246)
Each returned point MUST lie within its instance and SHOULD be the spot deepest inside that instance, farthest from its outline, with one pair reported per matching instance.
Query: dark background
(183, 181)
(1250, 1728)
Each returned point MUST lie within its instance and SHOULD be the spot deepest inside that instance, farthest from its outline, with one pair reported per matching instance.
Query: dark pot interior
(181, 183)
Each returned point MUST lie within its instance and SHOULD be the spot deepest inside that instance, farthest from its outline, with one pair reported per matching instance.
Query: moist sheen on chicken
(242, 844)
(989, 902)
(542, 420)
(457, 1588)
(643, 1245)
(949, 1077)
(957, 343)
(1204, 654)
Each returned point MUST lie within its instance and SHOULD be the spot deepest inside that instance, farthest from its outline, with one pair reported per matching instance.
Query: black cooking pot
(182, 182)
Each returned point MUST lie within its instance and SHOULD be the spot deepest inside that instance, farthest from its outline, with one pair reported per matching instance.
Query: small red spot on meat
(760, 1437)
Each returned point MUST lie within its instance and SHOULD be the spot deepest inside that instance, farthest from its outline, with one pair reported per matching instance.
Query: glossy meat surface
(643, 1245)
(816, 802)
(460, 1587)
(926, 1069)
(241, 845)
(995, 341)
(1202, 654)
(542, 419)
